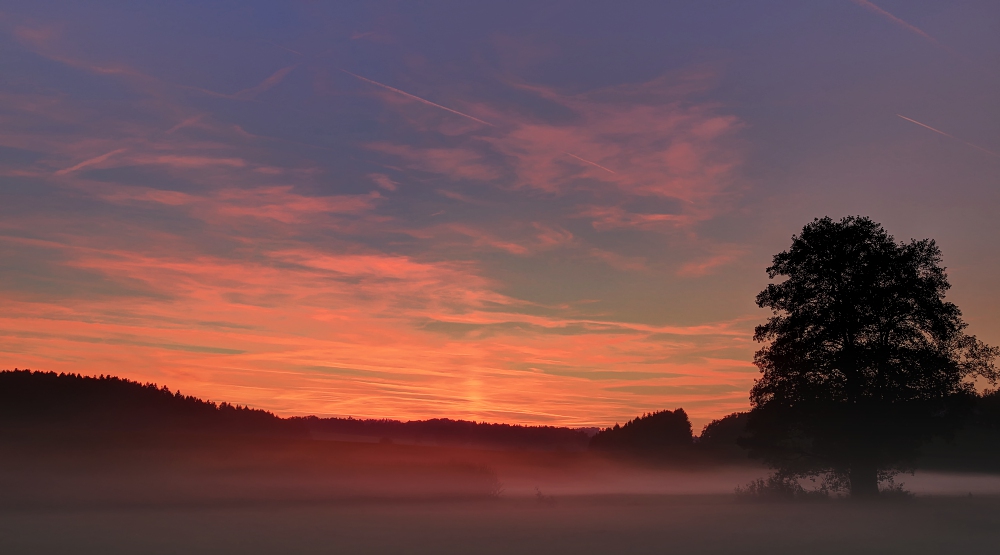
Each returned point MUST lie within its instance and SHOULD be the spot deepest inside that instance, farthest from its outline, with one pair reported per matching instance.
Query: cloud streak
(90, 162)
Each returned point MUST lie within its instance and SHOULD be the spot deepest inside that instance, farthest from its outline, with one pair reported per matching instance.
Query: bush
(780, 487)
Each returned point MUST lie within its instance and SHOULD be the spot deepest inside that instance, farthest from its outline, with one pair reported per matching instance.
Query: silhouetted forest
(72, 401)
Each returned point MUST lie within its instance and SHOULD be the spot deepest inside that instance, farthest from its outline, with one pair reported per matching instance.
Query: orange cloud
(304, 330)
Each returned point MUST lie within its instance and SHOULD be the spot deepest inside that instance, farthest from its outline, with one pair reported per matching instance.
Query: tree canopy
(864, 359)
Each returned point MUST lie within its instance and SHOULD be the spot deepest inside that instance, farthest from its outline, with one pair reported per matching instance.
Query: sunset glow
(476, 213)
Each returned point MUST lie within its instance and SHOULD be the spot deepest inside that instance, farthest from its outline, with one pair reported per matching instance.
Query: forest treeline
(71, 401)
(40, 400)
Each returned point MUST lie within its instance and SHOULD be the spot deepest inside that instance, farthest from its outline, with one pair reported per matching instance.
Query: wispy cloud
(383, 181)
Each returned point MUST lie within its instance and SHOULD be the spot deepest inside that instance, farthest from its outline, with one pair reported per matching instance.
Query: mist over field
(212, 493)
(579, 506)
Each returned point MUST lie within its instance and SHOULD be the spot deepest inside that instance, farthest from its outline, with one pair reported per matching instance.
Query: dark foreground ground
(571, 525)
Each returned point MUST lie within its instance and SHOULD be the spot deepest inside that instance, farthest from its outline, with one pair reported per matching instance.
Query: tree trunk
(864, 480)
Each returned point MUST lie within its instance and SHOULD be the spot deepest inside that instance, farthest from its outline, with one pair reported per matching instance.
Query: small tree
(864, 361)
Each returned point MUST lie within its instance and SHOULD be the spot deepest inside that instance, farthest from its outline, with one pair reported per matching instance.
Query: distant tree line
(444, 431)
(107, 403)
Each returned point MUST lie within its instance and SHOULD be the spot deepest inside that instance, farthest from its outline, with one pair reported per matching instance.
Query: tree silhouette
(864, 360)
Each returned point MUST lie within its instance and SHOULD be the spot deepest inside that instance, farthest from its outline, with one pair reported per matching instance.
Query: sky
(543, 212)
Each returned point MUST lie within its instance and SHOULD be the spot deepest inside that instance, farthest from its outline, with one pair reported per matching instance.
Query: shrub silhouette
(779, 487)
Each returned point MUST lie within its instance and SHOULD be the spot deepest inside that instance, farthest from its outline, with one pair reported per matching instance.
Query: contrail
(90, 162)
(584, 160)
(417, 98)
(977, 147)
(266, 84)
(286, 48)
(912, 28)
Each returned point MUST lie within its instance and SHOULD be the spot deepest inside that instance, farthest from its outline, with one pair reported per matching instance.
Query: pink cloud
(189, 161)
(280, 203)
(640, 140)
(549, 236)
(604, 218)
(707, 265)
(383, 181)
(652, 150)
(480, 238)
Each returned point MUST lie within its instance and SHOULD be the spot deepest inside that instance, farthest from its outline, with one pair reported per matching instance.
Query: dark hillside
(47, 399)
